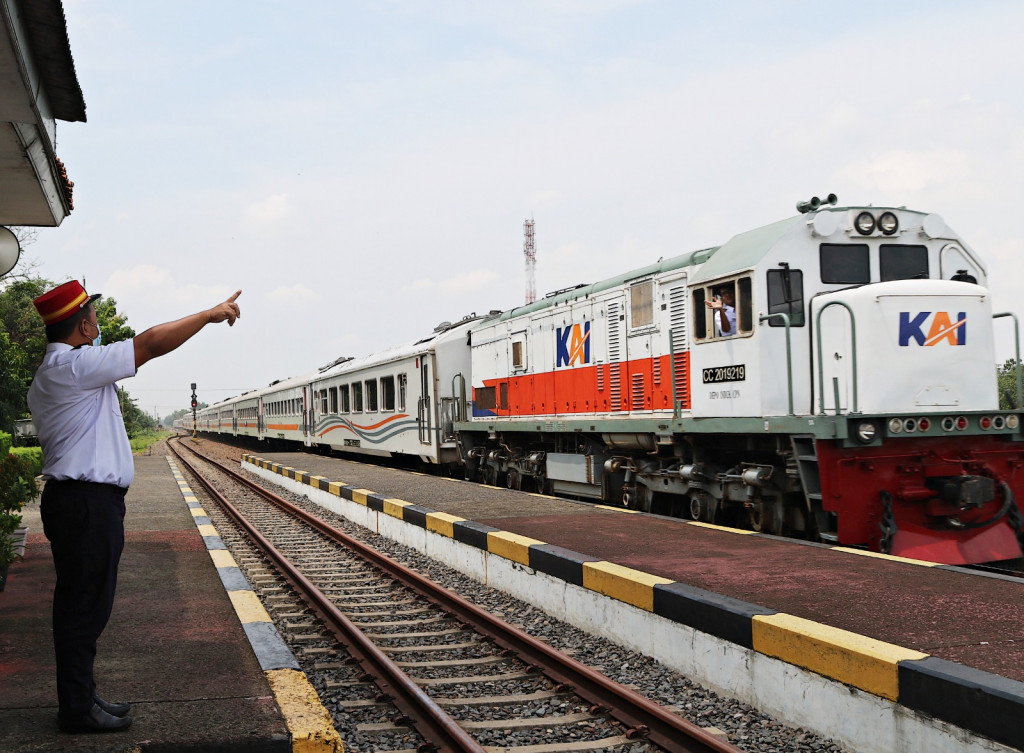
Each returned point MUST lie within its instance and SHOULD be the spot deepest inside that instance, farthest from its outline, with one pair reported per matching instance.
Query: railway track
(419, 665)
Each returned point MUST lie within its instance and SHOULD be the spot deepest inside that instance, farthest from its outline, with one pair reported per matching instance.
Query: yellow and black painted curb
(970, 698)
(309, 723)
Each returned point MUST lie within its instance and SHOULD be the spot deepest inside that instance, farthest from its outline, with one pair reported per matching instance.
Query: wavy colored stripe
(389, 429)
(369, 427)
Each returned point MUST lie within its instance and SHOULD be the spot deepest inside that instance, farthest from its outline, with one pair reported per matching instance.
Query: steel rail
(641, 716)
(421, 711)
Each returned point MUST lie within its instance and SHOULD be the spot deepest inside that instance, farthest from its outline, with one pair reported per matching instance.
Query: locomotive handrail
(459, 400)
(1016, 342)
(789, 353)
(676, 413)
(821, 369)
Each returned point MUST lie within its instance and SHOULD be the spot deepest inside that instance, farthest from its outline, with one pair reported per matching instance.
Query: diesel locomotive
(829, 376)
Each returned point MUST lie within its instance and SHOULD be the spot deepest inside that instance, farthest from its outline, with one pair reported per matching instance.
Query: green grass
(141, 442)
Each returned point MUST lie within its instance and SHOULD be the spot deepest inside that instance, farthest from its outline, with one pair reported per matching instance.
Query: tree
(136, 421)
(21, 347)
(1006, 381)
(20, 320)
(23, 343)
(113, 326)
(12, 385)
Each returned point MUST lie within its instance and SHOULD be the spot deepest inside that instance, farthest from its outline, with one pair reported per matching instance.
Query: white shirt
(730, 316)
(77, 416)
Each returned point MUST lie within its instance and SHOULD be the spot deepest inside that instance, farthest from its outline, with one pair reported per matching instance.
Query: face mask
(98, 340)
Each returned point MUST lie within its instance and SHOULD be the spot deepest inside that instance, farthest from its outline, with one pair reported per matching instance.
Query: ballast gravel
(746, 727)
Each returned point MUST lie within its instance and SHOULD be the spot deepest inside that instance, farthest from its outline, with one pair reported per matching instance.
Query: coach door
(307, 413)
(423, 408)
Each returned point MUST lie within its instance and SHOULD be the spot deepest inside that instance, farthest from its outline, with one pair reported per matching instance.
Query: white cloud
(293, 296)
(272, 209)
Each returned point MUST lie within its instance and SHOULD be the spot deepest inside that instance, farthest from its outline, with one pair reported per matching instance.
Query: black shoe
(114, 709)
(95, 720)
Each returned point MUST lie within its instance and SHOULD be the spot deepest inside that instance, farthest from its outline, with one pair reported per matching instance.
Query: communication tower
(530, 252)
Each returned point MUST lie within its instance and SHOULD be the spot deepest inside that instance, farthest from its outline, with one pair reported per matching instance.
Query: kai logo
(573, 345)
(941, 329)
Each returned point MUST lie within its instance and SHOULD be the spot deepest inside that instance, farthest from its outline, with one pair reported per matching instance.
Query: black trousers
(85, 525)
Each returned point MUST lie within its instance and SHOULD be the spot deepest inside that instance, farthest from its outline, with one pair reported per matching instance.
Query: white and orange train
(848, 396)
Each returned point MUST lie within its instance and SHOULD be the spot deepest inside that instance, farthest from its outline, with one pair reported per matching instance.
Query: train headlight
(1012, 422)
(888, 223)
(895, 425)
(866, 431)
(865, 223)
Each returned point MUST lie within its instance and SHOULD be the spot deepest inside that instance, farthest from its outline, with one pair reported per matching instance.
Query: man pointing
(88, 467)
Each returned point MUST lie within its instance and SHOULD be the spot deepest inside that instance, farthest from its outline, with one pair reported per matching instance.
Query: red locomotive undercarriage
(942, 499)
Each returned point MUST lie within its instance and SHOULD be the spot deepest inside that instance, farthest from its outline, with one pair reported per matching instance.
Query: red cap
(63, 301)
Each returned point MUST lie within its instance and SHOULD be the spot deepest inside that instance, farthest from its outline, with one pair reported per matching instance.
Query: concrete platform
(814, 627)
(174, 647)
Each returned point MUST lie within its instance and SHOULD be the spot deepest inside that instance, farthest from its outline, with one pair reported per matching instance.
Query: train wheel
(756, 514)
(513, 480)
(767, 517)
(637, 498)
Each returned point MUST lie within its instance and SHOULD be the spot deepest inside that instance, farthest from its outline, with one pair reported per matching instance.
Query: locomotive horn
(808, 206)
(815, 203)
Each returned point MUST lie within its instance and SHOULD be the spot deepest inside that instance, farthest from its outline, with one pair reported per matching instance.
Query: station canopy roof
(38, 86)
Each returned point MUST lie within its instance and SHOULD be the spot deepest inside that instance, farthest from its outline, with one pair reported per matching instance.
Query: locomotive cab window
(786, 296)
(902, 262)
(723, 309)
(845, 263)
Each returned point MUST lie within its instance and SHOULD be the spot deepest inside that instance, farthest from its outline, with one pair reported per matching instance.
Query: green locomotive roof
(741, 252)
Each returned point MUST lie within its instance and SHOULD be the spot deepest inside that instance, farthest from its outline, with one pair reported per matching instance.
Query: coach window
(357, 397)
(371, 395)
(786, 296)
(333, 393)
(641, 304)
(346, 405)
(323, 402)
(387, 393)
(902, 262)
(845, 263)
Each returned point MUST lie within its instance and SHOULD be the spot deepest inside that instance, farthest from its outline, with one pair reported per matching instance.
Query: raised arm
(163, 338)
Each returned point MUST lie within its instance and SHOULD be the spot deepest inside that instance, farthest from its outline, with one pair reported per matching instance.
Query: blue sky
(362, 170)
